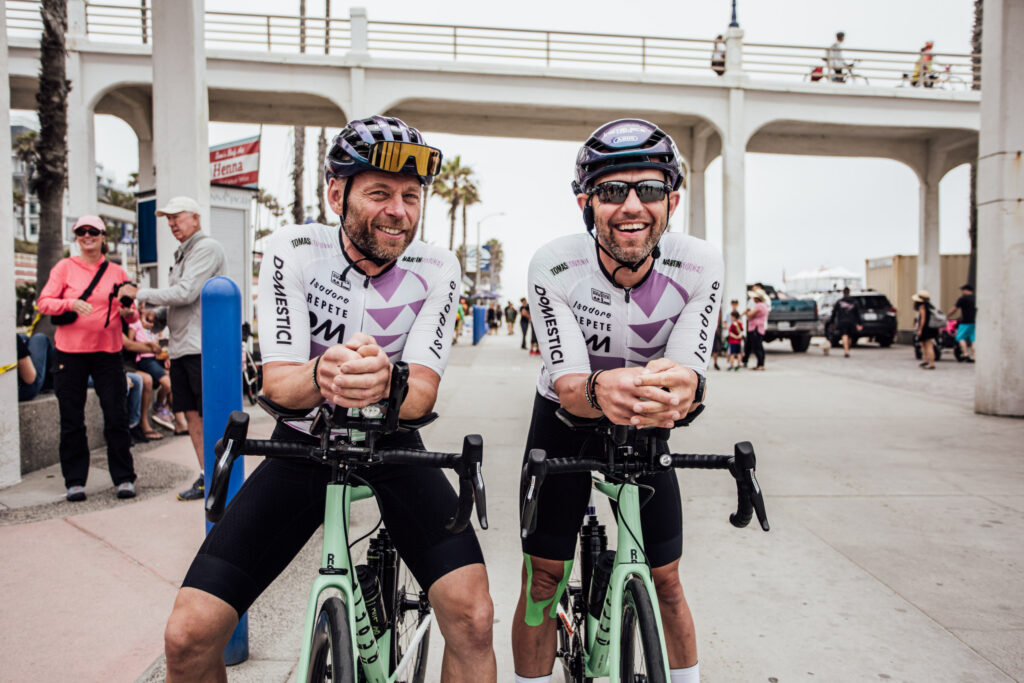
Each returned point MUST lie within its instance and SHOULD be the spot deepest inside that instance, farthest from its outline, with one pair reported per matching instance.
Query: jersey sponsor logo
(599, 344)
(423, 259)
(328, 292)
(411, 259)
(566, 265)
(600, 297)
(671, 262)
(325, 330)
(313, 301)
(547, 312)
(705, 323)
(338, 282)
(560, 268)
(591, 310)
(437, 345)
(590, 323)
(283, 321)
(299, 241)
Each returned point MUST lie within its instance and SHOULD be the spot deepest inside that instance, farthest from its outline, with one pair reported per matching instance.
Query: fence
(132, 23)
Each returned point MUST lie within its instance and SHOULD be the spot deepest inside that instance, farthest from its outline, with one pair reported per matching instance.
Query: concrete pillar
(147, 174)
(359, 42)
(181, 115)
(695, 190)
(999, 373)
(10, 444)
(81, 190)
(734, 243)
(928, 259)
(733, 51)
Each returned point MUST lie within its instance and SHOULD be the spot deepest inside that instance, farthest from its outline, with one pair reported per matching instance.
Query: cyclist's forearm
(423, 383)
(291, 384)
(572, 395)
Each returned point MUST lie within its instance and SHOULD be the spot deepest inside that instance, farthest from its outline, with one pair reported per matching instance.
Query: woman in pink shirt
(757, 320)
(91, 345)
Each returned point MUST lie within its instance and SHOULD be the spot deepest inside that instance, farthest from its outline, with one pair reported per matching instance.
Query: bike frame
(602, 655)
(338, 572)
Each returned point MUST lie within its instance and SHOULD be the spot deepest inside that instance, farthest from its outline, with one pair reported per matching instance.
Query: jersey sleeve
(690, 343)
(562, 345)
(282, 313)
(430, 338)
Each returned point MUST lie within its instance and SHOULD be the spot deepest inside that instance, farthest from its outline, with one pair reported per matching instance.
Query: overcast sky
(801, 213)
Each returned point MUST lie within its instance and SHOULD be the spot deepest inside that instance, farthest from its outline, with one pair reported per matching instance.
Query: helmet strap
(379, 262)
(588, 220)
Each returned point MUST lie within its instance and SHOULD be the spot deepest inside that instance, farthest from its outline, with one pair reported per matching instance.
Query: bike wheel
(641, 659)
(570, 650)
(330, 656)
(411, 610)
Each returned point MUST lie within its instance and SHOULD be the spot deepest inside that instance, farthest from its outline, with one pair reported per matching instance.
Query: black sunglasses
(616, 191)
(91, 232)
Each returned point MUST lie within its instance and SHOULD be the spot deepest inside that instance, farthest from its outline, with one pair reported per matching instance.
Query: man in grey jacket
(199, 258)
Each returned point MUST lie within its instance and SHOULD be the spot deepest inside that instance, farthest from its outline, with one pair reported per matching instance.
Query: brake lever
(750, 496)
(534, 472)
(473, 444)
(227, 450)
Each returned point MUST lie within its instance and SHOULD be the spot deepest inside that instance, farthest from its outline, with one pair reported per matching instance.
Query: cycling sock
(690, 674)
(538, 679)
(535, 610)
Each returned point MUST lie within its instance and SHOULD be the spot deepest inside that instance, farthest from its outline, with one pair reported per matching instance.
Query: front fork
(336, 571)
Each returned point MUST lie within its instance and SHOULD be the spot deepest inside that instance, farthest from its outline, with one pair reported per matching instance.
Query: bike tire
(570, 647)
(330, 658)
(408, 615)
(639, 627)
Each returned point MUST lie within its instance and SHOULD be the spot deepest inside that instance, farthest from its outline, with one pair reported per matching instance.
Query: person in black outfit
(846, 319)
(965, 329)
(524, 319)
(926, 334)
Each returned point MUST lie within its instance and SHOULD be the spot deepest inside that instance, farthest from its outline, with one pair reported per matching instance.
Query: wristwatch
(698, 395)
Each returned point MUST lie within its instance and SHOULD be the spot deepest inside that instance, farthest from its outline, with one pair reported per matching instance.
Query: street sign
(236, 163)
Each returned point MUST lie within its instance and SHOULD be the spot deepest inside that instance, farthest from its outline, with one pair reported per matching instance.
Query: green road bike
(608, 619)
(376, 627)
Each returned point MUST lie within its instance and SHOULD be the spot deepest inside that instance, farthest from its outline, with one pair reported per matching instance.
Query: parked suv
(877, 318)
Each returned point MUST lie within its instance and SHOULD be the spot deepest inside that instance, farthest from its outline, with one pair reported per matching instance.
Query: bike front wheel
(641, 659)
(411, 611)
(330, 658)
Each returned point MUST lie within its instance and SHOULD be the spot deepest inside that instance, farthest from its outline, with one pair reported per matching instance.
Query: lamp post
(734, 23)
(476, 283)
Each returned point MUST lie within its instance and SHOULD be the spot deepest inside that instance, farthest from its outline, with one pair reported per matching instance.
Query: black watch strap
(698, 395)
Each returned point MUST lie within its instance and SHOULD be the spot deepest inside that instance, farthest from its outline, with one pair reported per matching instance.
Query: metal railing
(130, 21)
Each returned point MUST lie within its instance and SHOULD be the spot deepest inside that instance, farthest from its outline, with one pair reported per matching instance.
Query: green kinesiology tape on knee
(535, 610)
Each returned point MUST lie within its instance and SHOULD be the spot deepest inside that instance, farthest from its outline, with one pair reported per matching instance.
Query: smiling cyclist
(625, 314)
(338, 306)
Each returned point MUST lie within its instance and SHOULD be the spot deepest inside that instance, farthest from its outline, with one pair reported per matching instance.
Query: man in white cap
(199, 258)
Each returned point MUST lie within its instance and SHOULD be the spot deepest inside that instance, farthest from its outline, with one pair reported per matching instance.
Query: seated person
(34, 356)
(141, 340)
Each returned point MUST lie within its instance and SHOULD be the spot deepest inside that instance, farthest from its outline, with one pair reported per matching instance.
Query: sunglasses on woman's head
(616, 191)
(91, 232)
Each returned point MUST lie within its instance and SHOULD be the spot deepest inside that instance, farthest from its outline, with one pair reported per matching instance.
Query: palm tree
(470, 196)
(52, 163)
(455, 185)
(972, 229)
(321, 152)
(497, 261)
(298, 168)
(24, 147)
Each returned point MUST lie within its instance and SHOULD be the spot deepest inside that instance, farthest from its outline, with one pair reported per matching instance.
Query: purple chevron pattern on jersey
(584, 321)
(390, 304)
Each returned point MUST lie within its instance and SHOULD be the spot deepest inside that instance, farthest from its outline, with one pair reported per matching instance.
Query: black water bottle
(370, 586)
(599, 585)
(593, 542)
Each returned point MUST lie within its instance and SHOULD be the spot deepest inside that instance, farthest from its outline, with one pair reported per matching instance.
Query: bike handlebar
(742, 466)
(467, 464)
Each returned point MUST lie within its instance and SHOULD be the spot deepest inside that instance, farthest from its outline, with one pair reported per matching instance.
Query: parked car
(790, 318)
(877, 316)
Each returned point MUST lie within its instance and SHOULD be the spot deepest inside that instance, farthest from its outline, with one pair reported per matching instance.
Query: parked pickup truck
(792, 319)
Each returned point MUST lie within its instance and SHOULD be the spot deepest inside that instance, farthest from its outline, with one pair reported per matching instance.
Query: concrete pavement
(895, 552)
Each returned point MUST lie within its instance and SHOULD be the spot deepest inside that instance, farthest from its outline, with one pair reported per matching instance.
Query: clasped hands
(655, 395)
(354, 374)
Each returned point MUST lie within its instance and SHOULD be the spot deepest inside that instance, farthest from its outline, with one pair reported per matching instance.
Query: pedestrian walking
(926, 333)
(524, 319)
(82, 293)
(735, 339)
(510, 317)
(965, 328)
(846, 320)
(199, 258)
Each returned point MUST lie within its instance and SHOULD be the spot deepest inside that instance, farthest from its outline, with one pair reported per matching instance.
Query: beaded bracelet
(590, 389)
(316, 366)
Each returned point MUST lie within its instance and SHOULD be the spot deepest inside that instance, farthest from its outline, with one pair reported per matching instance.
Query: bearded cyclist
(625, 314)
(337, 307)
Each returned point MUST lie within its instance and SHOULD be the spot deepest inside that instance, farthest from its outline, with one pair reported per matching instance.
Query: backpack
(937, 319)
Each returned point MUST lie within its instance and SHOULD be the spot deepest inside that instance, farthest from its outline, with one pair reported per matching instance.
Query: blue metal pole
(479, 323)
(222, 393)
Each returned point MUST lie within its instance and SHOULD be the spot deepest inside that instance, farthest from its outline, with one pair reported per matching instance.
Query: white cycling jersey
(306, 305)
(586, 322)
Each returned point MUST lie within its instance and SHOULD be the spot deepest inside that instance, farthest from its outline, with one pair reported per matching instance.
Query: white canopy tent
(823, 280)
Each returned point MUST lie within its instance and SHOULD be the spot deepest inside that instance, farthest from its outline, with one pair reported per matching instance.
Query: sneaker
(163, 417)
(197, 492)
(126, 489)
(76, 494)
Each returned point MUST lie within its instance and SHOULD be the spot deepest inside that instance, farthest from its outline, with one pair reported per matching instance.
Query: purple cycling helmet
(352, 150)
(623, 144)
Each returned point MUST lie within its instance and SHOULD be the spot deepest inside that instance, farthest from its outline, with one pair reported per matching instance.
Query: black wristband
(316, 366)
